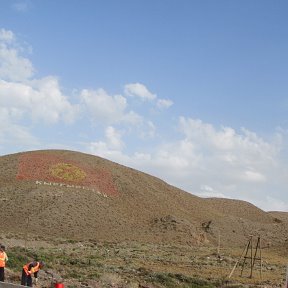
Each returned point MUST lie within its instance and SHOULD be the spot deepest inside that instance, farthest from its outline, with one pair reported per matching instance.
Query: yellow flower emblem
(68, 172)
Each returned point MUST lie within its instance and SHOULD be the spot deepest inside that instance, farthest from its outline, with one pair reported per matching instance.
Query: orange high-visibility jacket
(3, 258)
(31, 267)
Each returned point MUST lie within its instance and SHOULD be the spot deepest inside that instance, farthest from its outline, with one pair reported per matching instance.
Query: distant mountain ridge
(72, 195)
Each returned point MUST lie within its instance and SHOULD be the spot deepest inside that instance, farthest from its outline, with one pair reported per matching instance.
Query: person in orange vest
(29, 269)
(3, 260)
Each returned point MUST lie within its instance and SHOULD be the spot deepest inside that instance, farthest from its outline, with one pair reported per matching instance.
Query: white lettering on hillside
(69, 186)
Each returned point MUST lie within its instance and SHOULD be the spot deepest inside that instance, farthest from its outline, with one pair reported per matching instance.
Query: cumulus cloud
(114, 138)
(108, 109)
(139, 90)
(114, 110)
(164, 103)
(111, 146)
(11, 134)
(6, 36)
(26, 97)
(228, 146)
(227, 156)
(13, 66)
(39, 100)
(252, 176)
(148, 130)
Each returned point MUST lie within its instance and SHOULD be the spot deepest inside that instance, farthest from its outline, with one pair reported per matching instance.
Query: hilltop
(72, 195)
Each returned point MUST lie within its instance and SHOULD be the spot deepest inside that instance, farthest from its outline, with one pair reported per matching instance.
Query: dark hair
(41, 263)
(2, 247)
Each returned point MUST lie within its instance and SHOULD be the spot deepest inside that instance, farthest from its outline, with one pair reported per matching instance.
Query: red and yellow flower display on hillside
(46, 167)
(67, 172)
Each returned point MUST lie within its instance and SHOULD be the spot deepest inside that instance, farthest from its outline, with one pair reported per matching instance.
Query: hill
(71, 195)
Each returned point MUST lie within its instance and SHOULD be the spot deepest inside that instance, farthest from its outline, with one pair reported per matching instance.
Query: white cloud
(24, 99)
(51, 105)
(132, 118)
(230, 155)
(114, 138)
(110, 148)
(11, 134)
(164, 103)
(252, 176)
(139, 90)
(148, 130)
(225, 144)
(13, 67)
(6, 36)
(207, 191)
(39, 100)
(103, 107)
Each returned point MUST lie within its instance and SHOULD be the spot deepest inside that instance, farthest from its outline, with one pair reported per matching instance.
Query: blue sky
(193, 92)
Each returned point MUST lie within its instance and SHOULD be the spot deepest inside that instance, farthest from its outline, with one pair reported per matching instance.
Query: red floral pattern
(39, 166)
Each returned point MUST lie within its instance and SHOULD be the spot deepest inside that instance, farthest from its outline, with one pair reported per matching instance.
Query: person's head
(2, 247)
(41, 264)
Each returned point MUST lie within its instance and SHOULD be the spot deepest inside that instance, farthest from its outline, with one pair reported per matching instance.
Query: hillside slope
(65, 194)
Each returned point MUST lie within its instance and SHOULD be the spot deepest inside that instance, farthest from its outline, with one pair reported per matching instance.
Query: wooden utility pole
(26, 232)
(218, 247)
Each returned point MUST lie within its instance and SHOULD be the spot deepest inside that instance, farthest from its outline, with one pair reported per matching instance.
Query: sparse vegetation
(130, 265)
